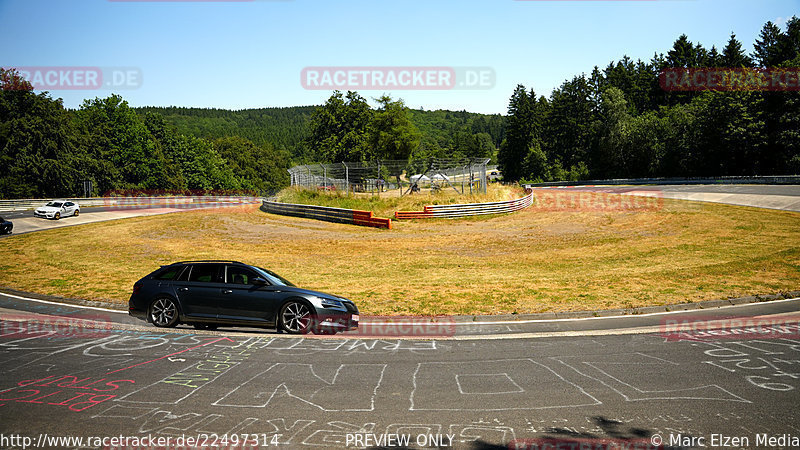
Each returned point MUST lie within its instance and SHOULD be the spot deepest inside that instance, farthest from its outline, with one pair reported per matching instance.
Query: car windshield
(54, 204)
(274, 279)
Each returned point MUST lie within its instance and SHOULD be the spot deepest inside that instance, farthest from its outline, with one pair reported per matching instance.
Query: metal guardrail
(327, 214)
(468, 209)
(130, 202)
(774, 179)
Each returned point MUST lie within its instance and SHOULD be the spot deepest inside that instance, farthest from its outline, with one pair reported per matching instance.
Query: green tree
(256, 168)
(569, 126)
(522, 132)
(792, 40)
(536, 165)
(770, 47)
(732, 134)
(733, 54)
(392, 135)
(124, 152)
(339, 130)
(203, 167)
(683, 53)
(167, 142)
(615, 122)
(38, 149)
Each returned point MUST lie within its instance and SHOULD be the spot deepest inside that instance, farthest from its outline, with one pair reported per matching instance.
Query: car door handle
(183, 289)
(227, 291)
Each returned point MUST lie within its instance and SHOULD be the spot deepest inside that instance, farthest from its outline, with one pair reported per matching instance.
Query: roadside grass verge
(527, 262)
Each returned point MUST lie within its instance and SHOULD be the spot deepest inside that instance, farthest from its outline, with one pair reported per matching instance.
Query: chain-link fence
(466, 176)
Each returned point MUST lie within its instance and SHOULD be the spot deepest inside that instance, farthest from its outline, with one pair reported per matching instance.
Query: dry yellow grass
(531, 261)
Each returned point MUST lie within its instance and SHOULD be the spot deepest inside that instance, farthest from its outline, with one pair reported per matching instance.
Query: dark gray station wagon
(207, 294)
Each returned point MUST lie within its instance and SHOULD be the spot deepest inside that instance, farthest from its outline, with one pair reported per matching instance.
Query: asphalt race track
(25, 222)
(785, 197)
(61, 378)
(70, 371)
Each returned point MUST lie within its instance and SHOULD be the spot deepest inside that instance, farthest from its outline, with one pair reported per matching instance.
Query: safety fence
(328, 214)
(466, 210)
(464, 175)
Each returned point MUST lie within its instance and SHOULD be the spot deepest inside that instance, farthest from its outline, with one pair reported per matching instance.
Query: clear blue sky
(250, 54)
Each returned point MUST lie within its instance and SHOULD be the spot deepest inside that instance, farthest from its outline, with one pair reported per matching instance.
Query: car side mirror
(258, 281)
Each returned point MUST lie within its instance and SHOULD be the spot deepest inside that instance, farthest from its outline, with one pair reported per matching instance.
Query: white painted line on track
(555, 334)
(64, 304)
(662, 313)
(651, 329)
(510, 322)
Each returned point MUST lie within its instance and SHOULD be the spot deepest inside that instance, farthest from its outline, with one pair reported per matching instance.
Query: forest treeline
(440, 133)
(47, 150)
(618, 122)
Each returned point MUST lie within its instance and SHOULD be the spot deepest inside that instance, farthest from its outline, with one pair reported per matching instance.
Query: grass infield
(531, 261)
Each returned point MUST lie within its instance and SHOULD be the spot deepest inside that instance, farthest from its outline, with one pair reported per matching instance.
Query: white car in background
(58, 209)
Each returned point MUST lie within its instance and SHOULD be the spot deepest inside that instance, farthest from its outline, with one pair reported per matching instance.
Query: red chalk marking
(173, 354)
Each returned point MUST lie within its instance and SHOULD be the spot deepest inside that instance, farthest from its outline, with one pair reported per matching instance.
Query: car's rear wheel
(164, 313)
(57, 216)
(296, 317)
(77, 212)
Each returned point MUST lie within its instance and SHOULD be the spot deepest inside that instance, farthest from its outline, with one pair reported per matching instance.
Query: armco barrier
(328, 214)
(775, 179)
(466, 210)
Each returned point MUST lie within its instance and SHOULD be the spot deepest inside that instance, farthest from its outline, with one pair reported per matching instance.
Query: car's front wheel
(296, 317)
(57, 216)
(164, 313)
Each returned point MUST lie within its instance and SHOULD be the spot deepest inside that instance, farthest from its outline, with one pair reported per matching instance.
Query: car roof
(209, 261)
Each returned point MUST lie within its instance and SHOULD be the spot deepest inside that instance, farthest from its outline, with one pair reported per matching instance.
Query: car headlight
(329, 303)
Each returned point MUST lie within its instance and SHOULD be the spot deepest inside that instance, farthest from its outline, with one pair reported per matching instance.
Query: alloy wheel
(296, 318)
(164, 313)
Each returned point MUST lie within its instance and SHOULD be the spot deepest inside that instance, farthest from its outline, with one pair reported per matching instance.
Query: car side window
(169, 274)
(205, 273)
(240, 275)
(184, 276)
(68, 204)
